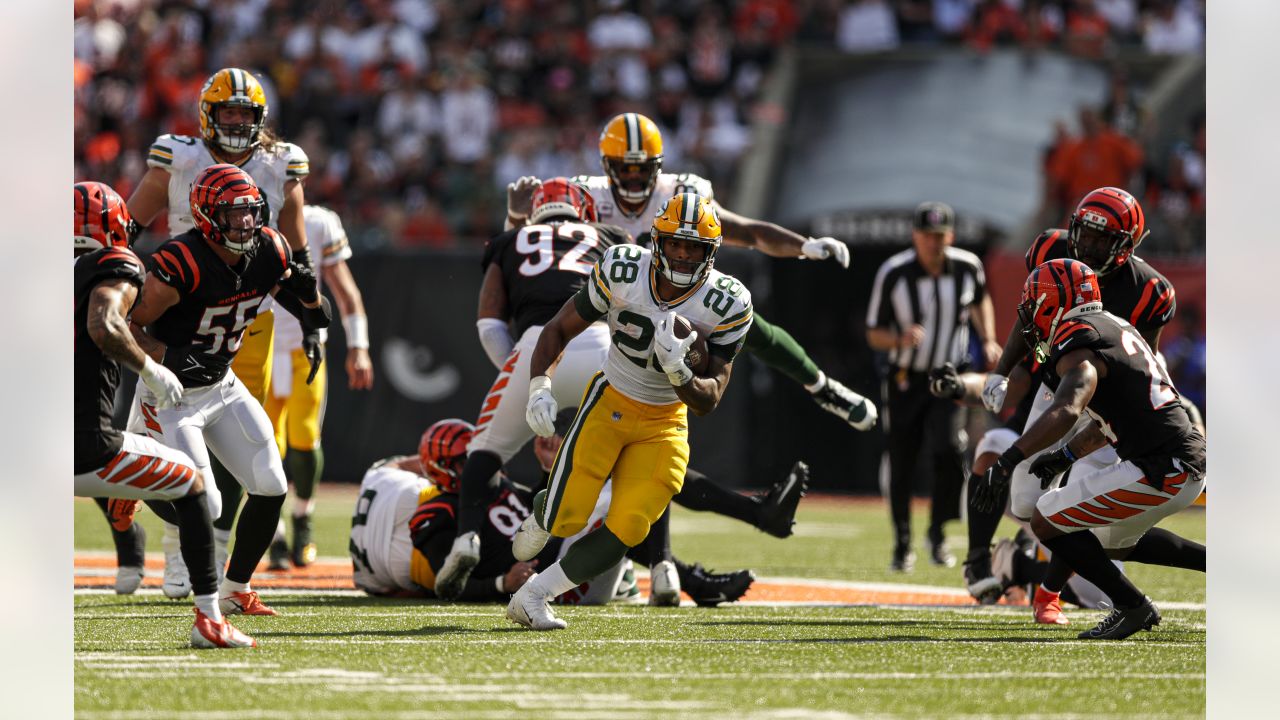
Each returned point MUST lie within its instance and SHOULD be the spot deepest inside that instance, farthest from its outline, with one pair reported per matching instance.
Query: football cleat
(531, 538)
(776, 513)
(1047, 607)
(304, 550)
(207, 634)
(846, 404)
(664, 584)
(628, 590)
(1120, 624)
(904, 558)
(244, 603)
(128, 579)
(940, 553)
(121, 512)
(530, 609)
(278, 555)
(709, 589)
(177, 580)
(981, 583)
(457, 567)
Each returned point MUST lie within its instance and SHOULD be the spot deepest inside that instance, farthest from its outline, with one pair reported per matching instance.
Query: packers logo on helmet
(232, 87)
(686, 218)
(631, 153)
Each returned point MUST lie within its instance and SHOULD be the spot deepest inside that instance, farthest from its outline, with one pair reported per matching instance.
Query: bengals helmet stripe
(1038, 253)
(443, 449)
(221, 186)
(1056, 292)
(1115, 216)
(100, 218)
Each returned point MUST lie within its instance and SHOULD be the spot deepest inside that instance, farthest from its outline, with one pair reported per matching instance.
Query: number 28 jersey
(624, 287)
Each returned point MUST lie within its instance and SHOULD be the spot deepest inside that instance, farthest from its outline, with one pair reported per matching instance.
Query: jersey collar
(665, 304)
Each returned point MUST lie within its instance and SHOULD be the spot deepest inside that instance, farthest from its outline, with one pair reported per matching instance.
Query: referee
(921, 305)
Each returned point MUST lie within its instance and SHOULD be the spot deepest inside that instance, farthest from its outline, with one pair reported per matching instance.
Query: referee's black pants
(922, 426)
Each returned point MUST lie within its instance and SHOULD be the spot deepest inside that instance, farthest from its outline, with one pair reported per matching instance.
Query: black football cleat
(1120, 624)
(982, 584)
(709, 589)
(278, 555)
(904, 558)
(777, 512)
(304, 548)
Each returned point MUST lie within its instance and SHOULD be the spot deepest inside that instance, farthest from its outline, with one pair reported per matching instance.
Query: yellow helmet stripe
(633, 133)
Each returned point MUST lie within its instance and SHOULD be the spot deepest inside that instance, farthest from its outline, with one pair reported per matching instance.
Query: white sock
(229, 587)
(552, 582)
(817, 384)
(208, 604)
(303, 508)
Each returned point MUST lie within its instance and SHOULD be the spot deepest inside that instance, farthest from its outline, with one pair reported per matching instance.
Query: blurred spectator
(620, 39)
(408, 117)
(775, 18)
(867, 26)
(469, 116)
(1121, 16)
(1172, 28)
(1122, 110)
(997, 22)
(1099, 157)
(1176, 199)
(1086, 30)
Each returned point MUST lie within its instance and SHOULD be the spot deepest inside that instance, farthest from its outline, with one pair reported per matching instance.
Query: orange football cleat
(1048, 608)
(244, 603)
(121, 512)
(209, 634)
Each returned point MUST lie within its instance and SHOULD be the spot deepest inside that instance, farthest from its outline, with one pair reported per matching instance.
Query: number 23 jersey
(623, 286)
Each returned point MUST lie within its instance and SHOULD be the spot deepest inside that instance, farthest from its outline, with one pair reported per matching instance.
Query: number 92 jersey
(623, 286)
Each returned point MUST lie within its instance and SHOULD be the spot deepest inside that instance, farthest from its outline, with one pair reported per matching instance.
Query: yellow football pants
(297, 418)
(252, 363)
(645, 448)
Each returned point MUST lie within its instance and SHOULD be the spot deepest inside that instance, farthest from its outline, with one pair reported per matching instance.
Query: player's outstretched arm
(354, 322)
(777, 241)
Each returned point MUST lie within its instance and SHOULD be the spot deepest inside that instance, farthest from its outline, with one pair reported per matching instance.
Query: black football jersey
(96, 375)
(1136, 403)
(1134, 292)
(545, 265)
(216, 301)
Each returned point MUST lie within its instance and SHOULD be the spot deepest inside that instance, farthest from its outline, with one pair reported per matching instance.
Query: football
(697, 358)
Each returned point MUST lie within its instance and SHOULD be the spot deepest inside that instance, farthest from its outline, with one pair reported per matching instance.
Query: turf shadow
(427, 631)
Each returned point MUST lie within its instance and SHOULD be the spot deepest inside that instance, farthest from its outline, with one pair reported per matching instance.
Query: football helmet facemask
(228, 208)
(687, 218)
(1105, 229)
(101, 218)
(562, 198)
(631, 153)
(1055, 291)
(232, 87)
(443, 451)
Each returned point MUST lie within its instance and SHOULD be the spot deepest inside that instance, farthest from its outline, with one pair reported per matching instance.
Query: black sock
(1084, 553)
(1161, 547)
(303, 469)
(231, 493)
(253, 535)
(639, 554)
(982, 526)
(701, 494)
(659, 538)
(1056, 574)
(163, 510)
(195, 530)
(476, 489)
(130, 544)
(596, 552)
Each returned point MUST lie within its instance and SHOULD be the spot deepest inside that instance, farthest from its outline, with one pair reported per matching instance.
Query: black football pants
(922, 426)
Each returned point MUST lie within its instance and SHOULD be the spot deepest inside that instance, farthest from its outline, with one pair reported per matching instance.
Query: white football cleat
(846, 404)
(664, 585)
(177, 580)
(207, 634)
(458, 564)
(529, 540)
(530, 609)
(128, 579)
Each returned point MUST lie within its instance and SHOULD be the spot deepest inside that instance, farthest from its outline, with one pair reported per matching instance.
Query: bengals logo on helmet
(101, 218)
(220, 190)
(1105, 229)
(1055, 291)
(564, 198)
(443, 450)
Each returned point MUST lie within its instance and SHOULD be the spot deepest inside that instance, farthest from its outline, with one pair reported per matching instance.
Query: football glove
(195, 365)
(541, 410)
(301, 282)
(520, 197)
(671, 350)
(161, 381)
(944, 382)
(993, 391)
(1052, 464)
(314, 350)
(988, 492)
(826, 247)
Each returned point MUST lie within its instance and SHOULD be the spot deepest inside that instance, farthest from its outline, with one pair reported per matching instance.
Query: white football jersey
(668, 186)
(328, 242)
(623, 286)
(380, 544)
(185, 157)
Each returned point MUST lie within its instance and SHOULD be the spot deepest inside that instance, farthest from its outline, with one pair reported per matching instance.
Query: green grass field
(349, 656)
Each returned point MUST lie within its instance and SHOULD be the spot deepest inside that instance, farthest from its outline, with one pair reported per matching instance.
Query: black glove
(988, 492)
(301, 282)
(944, 382)
(314, 351)
(195, 366)
(1051, 464)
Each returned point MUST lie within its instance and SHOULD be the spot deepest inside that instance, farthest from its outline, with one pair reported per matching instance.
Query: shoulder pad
(1048, 245)
(170, 151)
(109, 263)
(688, 182)
(297, 164)
(1071, 335)
(175, 265)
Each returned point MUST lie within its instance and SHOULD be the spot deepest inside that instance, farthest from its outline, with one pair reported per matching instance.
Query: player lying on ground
(112, 464)
(1097, 364)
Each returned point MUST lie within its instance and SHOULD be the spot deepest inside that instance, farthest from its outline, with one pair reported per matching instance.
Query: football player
(109, 463)
(233, 129)
(203, 290)
(1104, 231)
(1100, 367)
(632, 423)
(296, 409)
(629, 195)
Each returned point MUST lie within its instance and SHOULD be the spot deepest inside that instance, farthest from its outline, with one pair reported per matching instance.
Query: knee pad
(631, 528)
(567, 528)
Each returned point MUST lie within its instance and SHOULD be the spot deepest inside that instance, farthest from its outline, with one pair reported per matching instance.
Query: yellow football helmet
(631, 153)
(232, 87)
(692, 218)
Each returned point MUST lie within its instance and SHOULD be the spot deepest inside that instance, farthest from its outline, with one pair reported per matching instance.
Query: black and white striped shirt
(905, 294)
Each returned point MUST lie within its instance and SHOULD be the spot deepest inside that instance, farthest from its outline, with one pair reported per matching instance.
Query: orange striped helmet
(1055, 291)
(232, 87)
(101, 218)
(222, 197)
(631, 141)
(564, 198)
(1105, 229)
(443, 450)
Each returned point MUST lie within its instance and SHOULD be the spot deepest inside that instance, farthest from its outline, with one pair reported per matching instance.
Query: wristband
(357, 328)
(500, 583)
(1066, 452)
(538, 384)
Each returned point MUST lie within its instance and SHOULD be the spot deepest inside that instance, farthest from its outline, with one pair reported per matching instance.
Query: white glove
(161, 381)
(520, 197)
(541, 411)
(826, 247)
(993, 391)
(671, 350)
